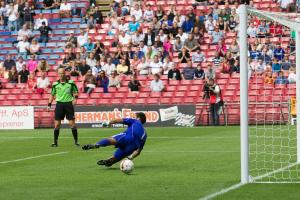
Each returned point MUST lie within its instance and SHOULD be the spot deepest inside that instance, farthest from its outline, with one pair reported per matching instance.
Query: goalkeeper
(129, 143)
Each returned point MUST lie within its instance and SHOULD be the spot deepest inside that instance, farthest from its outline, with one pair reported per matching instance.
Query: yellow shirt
(121, 69)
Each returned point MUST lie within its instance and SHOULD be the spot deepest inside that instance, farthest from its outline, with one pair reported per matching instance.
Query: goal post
(270, 145)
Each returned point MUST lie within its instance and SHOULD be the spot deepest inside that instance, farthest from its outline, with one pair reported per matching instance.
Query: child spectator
(134, 85)
(42, 84)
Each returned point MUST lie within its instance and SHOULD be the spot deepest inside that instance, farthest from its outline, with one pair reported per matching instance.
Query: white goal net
(271, 97)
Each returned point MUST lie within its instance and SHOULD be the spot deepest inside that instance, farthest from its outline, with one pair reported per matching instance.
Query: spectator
(49, 4)
(281, 79)
(84, 68)
(44, 32)
(216, 60)
(32, 64)
(182, 35)
(149, 37)
(23, 75)
(34, 48)
(74, 70)
(102, 81)
(91, 61)
(279, 52)
(71, 40)
(191, 44)
(292, 75)
(263, 30)
(143, 67)
(98, 17)
(174, 73)
(89, 82)
(217, 35)
(136, 38)
(24, 32)
(137, 12)
(184, 56)
(148, 14)
(276, 66)
(82, 38)
(133, 25)
(167, 46)
(232, 24)
(189, 71)
(13, 75)
(124, 39)
(198, 56)
(199, 72)
(167, 65)
(260, 67)
(159, 12)
(188, 24)
(31, 82)
(225, 67)
(123, 68)
(210, 73)
(23, 47)
(269, 78)
(252, 31)
(13, 15)
(109, 66)
(156, 66)
(8, 63)
(43, 66)
(19, 64)
(157, 85)
(65, 9)
(97, 68)
(42, 83)
(221, 48)
(38, 23)
(178, 45)
(26, 14)
(114, 80)
(210, 24)
(215, 102)
(134, 85)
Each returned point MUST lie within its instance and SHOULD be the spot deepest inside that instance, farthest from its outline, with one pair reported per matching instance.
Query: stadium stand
(176, 92)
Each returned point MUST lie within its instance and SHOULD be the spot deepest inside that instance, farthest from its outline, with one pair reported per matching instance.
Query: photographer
(212, 92)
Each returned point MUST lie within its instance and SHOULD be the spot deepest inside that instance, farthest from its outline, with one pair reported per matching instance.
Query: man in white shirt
(167, 65)
(156, 66)
(252, 31)
(183, 36)
(137, 12)
(148, 14)
(124, 39)
(12, 13)
(65, 9)
(82, 38)
(23, 47)
(109, 67)
(123, 26)
(24, 32)
(157, 85)
(136, 38)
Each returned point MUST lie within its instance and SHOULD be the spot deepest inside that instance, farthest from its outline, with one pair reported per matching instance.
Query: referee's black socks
(75, 134)
(56, 134)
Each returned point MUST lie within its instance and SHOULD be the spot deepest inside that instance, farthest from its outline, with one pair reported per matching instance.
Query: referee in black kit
(66, 93)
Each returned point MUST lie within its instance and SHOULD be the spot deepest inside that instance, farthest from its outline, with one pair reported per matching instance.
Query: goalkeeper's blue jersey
(135, 132)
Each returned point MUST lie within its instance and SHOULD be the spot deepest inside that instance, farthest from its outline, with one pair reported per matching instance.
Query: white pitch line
(145, 151)
(236, 186)
(33, 157)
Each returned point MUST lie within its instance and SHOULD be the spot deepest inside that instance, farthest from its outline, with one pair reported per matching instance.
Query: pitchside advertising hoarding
(17, 117)
(157, 115)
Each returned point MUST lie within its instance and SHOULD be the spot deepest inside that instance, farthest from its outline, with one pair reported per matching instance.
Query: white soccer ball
(126, 166)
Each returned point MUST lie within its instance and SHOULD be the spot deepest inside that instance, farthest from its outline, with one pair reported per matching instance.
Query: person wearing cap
(44, 33)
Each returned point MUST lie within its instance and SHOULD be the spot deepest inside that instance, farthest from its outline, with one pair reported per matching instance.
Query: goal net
(271, 102)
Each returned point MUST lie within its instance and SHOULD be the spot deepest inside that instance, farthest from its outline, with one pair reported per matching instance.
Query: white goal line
(236, 186)
(33, 157)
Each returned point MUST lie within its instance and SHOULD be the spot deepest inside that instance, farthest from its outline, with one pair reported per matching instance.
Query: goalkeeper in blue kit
(129, 143)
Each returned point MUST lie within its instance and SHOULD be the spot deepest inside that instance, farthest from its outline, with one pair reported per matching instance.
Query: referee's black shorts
(64, 109)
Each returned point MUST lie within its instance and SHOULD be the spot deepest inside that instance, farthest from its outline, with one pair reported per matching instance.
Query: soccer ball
(126, 166)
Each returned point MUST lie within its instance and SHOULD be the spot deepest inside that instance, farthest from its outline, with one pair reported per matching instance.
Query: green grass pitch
(176, 164)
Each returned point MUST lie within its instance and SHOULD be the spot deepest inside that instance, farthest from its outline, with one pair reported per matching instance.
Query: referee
(65, 92)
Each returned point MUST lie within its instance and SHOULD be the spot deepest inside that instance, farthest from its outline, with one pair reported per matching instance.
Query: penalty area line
(33, 157)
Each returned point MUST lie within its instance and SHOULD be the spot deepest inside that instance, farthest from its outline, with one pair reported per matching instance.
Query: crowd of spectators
(146, 42)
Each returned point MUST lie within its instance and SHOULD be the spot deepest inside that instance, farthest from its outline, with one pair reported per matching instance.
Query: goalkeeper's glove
(88, 147)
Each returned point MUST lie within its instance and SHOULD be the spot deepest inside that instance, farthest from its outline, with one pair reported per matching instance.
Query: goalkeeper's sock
(103, 143)
(75, 135)
(56, 134)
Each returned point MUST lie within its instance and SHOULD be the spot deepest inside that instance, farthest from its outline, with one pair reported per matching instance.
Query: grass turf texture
(177, 163)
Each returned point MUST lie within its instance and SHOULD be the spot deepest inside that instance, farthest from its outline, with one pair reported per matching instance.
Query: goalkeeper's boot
(54, 145)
